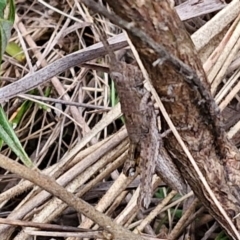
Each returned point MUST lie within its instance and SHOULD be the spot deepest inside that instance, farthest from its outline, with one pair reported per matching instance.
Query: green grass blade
(7, 134)
(5, 31)
(9, 137)
(15, 51)
(21, 111)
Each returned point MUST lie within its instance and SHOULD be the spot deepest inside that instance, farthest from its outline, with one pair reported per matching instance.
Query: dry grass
(84, 147)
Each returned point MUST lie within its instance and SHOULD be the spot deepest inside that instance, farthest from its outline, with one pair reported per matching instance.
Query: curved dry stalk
(55, 206)
(49, 184)
(38, 197)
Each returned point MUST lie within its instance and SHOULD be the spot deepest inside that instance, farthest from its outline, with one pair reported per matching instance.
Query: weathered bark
(189, 105)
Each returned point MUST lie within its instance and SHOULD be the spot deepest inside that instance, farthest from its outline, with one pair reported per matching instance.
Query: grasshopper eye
(131, 171)
(116, 76)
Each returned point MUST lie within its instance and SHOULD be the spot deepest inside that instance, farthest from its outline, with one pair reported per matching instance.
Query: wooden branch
(168, 55)
(49, 184)
(41, 76)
